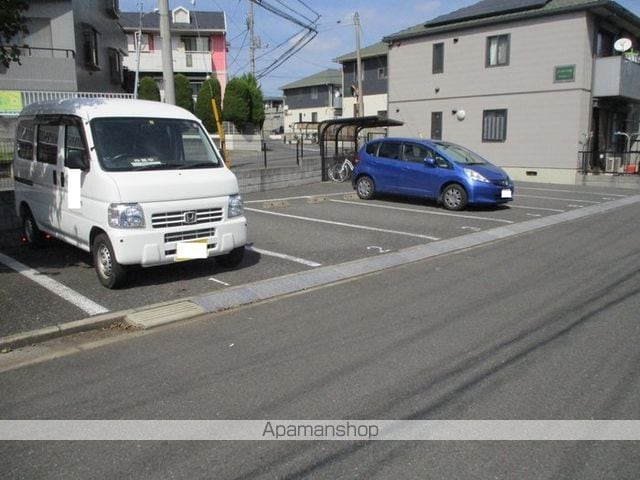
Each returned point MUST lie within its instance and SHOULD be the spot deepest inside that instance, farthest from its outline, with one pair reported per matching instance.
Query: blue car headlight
(475, 176)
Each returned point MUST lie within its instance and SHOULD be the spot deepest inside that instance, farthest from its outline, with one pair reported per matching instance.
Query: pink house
(198, 42)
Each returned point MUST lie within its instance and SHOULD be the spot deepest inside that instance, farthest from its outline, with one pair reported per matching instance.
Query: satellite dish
(622, 44)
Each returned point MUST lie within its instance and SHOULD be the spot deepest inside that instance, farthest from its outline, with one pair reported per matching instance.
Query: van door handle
(55, 178)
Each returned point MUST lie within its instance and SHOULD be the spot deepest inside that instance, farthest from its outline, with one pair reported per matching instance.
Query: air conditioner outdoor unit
(613, 163)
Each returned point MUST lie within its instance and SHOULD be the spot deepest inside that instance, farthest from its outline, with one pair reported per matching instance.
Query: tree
(243, 103)
(184, 95)
(204, 110)
(236, 107)
(148, 89)
(256, 102)
(12, 23)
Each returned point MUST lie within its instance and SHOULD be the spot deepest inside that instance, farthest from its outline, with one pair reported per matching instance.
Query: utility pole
(167, 55)
(252, 40)
(356, 23)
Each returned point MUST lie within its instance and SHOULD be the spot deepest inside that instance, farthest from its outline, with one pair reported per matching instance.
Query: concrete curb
(164, 313)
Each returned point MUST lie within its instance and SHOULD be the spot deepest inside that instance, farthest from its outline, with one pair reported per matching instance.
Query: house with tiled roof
(548, 89)
(198, 45)
(374, 80)
(313, 99)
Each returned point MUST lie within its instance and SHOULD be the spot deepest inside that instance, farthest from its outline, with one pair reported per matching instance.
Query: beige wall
(545, 119)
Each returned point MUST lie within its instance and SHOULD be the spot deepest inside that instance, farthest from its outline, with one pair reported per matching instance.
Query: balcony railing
(191, 62)
(617, 163)
(41, 52)
(616, 77)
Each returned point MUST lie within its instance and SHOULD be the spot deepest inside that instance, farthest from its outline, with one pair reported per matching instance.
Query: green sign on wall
(564, 73)
(10, 101)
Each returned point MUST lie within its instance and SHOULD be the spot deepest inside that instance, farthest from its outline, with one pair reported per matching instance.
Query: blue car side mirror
(430, 162)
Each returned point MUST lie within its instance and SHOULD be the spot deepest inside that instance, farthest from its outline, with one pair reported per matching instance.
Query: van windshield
(133, 144)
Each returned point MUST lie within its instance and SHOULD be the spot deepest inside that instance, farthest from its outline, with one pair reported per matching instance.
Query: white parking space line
(558, 198)
(571, 191)
(291, 258)
(301, 197)
(425, 212)
(71, 296)
(523, 207)
(340, 224)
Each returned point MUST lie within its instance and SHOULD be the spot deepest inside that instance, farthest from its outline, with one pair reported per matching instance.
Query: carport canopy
(332, 130)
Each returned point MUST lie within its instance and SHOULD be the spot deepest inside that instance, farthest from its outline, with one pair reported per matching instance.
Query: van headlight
(126, 215)
(473, 175)
(235, 206)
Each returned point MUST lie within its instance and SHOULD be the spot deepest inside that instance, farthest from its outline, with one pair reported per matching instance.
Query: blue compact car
(449, 173)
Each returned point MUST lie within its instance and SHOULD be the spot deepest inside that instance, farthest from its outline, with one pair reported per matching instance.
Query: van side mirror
(76, 159)
(430, 162)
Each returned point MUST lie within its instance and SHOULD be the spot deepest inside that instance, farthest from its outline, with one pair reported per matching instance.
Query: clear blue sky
(377, 19)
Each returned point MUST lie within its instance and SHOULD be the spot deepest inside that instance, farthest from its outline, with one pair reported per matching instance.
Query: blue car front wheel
(365, 187)
(454, 197)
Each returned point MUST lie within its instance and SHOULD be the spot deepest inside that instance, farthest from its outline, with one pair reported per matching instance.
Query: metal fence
(6, 167)
(618, 163)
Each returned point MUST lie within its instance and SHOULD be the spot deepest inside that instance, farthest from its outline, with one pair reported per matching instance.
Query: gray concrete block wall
(258, 180)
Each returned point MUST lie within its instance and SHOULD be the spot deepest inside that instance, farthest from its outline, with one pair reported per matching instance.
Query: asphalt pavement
(536, 325)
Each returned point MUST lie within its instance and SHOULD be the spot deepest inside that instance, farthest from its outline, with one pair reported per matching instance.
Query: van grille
(186, 217)
(189, 235)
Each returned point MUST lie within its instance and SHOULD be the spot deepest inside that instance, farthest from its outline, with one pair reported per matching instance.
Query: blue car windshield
(461, 155)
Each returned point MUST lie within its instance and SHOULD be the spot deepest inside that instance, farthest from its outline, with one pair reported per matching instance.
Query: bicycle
(339, 172)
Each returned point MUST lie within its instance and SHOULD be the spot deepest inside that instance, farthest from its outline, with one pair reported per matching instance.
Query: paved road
(538, 326)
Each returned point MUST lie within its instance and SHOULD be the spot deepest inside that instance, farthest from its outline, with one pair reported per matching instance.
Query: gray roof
(200, 22)
(379, 49)
(327, 77)
(489, 12)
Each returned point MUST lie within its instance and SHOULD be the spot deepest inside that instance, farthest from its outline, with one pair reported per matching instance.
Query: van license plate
(191, 250)
(506, 193)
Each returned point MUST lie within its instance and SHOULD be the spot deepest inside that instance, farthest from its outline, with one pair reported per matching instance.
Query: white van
(133, 182)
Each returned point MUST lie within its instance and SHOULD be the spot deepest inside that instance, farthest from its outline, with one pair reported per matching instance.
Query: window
(314, 116)
(48, 144)
(314, 93)
(372, 148)
(195, 44)
(438, 58)
(415, 153)
(115, 67)
(494, 125)
(73, 141)
(436, 125)
(24, 138)
(90, 47)
(498, 50)
(390, 150)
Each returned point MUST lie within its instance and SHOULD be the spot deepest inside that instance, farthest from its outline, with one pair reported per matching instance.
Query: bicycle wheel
(336, 173)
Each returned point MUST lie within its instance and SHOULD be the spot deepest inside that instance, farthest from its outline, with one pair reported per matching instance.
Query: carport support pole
(264, 152)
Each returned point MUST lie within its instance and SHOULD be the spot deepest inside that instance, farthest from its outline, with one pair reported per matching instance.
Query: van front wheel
(110, 273)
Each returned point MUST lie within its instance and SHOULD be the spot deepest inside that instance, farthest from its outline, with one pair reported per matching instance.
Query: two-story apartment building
(529, 84)
(374, 80)
(198, 44)
(73, 46)
(313, 99)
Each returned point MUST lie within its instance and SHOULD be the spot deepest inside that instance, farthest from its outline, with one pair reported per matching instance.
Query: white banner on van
(73, 189)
